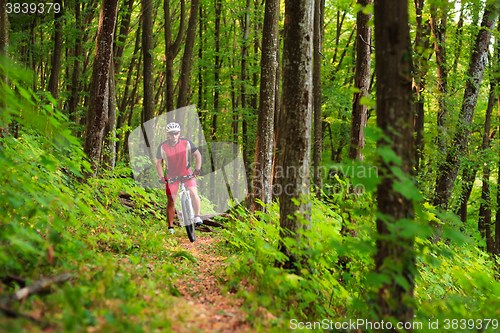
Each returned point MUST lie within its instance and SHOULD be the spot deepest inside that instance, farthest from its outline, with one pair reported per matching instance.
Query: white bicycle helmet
(173, 127)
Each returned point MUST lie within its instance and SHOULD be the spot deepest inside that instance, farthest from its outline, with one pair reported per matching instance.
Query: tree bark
(262, 186)
(182, 100)
(57, 53)
(296, 120)
(99, 86)
(148, 62)
(484, 221)
(171, 50)
(359, 115)
(468, 178)
(75, 77)
(4, 44)
(421, 45)
(218, 13)
(109, 157)
(319, 6)
(395, 257)
(121, 38)
(438, 27)
(449, 170)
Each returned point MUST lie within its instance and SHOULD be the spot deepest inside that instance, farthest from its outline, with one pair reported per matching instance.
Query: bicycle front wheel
(187, 213)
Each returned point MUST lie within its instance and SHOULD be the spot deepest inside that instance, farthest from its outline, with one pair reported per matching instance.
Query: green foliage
(52, 222)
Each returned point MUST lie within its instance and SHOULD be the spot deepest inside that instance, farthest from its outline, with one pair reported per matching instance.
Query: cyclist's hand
(196, 172)
(162, 180)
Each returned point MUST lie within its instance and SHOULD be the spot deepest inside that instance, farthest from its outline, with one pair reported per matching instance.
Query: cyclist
(175, 152)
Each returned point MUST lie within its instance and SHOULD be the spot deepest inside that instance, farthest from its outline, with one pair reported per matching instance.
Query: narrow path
(202, 306)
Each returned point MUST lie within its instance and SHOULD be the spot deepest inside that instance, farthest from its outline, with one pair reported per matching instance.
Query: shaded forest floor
(204, 306)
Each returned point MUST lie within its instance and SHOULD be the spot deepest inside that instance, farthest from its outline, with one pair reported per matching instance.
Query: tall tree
(148, 62)
(449, 170)
(359, 115)
(296, 120)
(395, 257)
(262, 189)
(422, 43)
(99, 89)
(484, 221)
(319, 6)
(57, 53)
(188, 53)
(75, 76)
(218, 13)
(171, 50)
(439, 19)
(4, 44)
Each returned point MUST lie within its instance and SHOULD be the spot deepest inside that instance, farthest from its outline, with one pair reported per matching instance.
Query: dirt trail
(210, 310)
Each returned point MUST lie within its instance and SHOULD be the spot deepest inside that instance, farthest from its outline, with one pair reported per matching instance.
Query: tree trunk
(438, 27)
(4, 44)
(262, 187)
(109, 157)
(484, 221)
(421, 45)
(395, 257)
(171, 50)
(295, 133)
(218, 12)
(75, 77)
(468, 178)
(99, 86)
(361, 82)
(449, 170)
(182, 100)
(4, 28)
(122, 36)
(57, 54)
(319, 6)
(148, 64)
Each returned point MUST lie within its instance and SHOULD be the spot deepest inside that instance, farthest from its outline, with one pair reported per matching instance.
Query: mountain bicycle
(188, 219)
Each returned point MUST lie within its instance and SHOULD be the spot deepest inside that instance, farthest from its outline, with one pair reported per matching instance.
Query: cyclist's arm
(197, 157)
(159, 168)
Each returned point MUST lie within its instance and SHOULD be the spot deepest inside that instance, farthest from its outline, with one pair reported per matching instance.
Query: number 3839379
(32, 8)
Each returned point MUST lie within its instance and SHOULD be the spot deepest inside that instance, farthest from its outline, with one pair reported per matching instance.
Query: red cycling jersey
(176, 157)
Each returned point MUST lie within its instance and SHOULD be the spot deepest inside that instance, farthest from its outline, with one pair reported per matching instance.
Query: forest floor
(203, 305)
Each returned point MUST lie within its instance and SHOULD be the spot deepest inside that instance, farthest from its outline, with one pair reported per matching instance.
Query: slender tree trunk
(438, 26)
(99, 86)
(421, 44)
(468, 179)
(201, 97)
(57, 54)
(218, 13)
(4, 44)
(395, 257)
(122, 36)
(188, 53)
(262, 186)
(296, 120)
(449, 170)
(458, 38)
(361, 82)
(319, 6)
(109, 157)
(75, 77)
(148, 64)
(484, 221)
